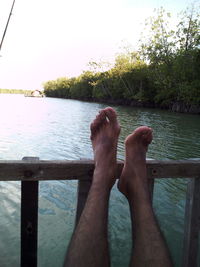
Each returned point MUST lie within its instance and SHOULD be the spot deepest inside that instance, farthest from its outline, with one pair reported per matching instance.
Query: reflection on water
(59, 129)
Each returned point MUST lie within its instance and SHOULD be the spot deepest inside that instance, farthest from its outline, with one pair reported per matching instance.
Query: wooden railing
(32, 170)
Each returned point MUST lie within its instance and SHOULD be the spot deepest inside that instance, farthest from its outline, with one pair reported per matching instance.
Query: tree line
(13, 91)
(164, 72)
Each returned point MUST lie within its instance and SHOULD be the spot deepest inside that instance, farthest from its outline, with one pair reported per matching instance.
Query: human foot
(105, 131)
(134, 172)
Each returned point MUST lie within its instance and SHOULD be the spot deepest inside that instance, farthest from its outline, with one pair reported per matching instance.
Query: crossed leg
(149, 245)
(89, 244)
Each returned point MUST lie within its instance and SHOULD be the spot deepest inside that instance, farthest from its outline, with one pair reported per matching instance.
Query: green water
(59, 129)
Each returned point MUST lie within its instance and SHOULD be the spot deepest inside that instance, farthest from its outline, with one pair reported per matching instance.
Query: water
(59, 129)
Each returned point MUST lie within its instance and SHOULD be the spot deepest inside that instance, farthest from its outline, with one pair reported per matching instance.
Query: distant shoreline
(179, 107)
(14, 91)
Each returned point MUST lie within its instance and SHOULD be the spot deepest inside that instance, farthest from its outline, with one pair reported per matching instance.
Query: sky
(48, 39)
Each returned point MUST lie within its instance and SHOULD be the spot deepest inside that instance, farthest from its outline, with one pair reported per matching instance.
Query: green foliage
(165, 69)
(82, 86)
(158, 44)
(188, 29)
(57, 88)
(189, 93)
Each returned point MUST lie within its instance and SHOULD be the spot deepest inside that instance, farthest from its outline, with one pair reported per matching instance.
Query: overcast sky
(47, 39)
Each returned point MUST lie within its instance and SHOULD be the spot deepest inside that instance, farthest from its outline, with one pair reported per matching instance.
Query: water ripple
(59, 129)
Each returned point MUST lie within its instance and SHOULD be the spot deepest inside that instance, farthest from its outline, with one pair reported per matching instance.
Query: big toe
(98, 122)
(141, 134)
(111, 114)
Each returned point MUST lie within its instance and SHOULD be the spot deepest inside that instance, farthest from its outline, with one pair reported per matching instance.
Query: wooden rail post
(151, 188)
(29, 218)
(192, 223)
(82, 194)
(82, 191)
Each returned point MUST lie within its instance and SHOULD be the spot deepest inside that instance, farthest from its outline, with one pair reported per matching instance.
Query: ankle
(133, 186)
(138, 193)
(104, 176)
(101, 188)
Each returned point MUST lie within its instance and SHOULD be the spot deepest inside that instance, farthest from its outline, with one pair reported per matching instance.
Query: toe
(92, 129)
(100, 118)
(142, 133)
(111, 114)
(142, 130)
(148, 136)
(97, 123)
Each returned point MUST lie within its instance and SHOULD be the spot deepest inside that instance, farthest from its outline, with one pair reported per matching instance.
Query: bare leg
(89, 244)
(149, 245)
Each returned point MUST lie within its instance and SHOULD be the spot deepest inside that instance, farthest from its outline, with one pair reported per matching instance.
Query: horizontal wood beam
(19, 170)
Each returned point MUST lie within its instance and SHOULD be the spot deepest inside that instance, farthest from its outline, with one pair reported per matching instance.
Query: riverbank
(178, 107)
(161, 74)
(137, 85)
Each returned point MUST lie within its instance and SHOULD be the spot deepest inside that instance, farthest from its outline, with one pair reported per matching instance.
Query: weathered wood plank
(82, 193)
(192, 223)
(29, 221)
(151, 188)
(79, 170)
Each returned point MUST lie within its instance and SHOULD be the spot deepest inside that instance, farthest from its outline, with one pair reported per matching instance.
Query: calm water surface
(59, 129)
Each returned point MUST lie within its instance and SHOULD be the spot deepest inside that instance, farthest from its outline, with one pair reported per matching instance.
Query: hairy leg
(89, 244)
(149, 245)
